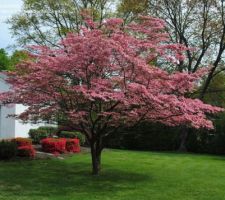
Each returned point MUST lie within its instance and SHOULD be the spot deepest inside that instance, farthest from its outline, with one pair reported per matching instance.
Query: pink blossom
(99, 81)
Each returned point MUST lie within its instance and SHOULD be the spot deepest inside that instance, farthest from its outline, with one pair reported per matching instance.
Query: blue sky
(7, 8)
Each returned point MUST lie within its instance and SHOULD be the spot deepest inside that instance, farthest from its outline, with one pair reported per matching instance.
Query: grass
(127, 175)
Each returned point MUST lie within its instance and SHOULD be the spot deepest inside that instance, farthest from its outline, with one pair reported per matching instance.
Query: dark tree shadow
(51, 178)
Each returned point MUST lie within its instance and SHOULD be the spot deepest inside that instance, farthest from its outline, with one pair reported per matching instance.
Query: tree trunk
(96, 158)
(183, 140)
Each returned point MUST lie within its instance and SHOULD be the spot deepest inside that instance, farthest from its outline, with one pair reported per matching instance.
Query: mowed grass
(126, 175)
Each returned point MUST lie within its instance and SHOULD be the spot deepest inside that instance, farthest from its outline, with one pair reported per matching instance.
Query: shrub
(8, 149)
(72, 135)
(73, 145)
(22, 141)
(145, 136)
(50, 130)
(54, 145)
(38, 134)
(26, 151)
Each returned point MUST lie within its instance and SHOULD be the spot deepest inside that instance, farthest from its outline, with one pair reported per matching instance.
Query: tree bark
(96, 157)
(183, 139)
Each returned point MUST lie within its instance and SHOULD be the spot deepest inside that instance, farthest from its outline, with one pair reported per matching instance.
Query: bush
(72, 135)
(50, 130)
(8, 149)
(73, 145)
(145, 136)
(22, 141)
(38, 134)
(26, 151)
(54, 145)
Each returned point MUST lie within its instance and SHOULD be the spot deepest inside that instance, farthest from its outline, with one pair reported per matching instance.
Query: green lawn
(126, 175)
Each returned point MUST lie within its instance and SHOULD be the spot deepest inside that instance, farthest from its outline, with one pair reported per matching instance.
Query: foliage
(44, 22)
(40, 133)
(24, 147)
(51, 130)
(145, 136)
(26, 151)
(212, 141)
(73, 145)
(60, 145)
(189, 23)
(4, 60)
(22, 141)
(54, 145)
(155, 137)
(16, 147)
(107, 83)
(18, 56)
(8, 63)
(216, 91)
(130, 9)
(72, 134)
(37, 135)
(8, 149)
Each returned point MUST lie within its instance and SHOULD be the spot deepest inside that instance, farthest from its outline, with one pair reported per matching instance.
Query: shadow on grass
(59, 178)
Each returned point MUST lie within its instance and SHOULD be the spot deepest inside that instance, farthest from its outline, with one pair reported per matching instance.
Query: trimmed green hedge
(49, 129)
(42, 132)
(72, 134)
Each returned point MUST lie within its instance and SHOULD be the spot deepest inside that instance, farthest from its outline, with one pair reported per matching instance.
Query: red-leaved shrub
(26, 151)
(22, 141)
(54, 145)
(73, 145)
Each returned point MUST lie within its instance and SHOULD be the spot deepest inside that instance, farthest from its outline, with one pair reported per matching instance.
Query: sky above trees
(7, 8)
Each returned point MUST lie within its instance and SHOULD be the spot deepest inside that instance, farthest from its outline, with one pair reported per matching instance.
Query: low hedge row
(53, 145)
(26, 151)
(72, 135)
(42, 132)
(73, 145)
(60, 145)
(23, 147)
(16, 147)
(47, 132)
(22, 141)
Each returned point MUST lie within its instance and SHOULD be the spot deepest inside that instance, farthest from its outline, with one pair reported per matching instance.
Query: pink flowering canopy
(104, 77)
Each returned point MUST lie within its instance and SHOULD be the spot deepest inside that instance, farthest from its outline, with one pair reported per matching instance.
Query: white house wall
(7, 125)
(22, 129)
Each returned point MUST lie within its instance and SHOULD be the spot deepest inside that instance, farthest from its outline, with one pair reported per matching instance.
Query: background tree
(8, 62)
(17, 57)
(44, 22)
(4, 60)
(199, 25)
(101, 80)
(129, 10)
(195, 24)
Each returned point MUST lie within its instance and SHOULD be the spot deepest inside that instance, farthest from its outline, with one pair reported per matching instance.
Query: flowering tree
(104, 78)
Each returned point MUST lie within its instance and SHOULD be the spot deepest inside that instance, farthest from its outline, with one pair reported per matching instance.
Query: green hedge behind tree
(156, 137)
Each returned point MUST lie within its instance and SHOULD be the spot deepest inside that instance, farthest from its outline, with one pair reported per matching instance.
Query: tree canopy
(4, 60)
(100, 80)
(44, 22)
